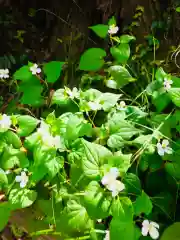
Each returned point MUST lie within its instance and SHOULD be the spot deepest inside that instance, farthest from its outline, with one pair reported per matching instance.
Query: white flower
(7, 172)
(94, 106)
(5, 123)
(72, 94)
(163, 147)
(113, 29)
(107, 236)
(99, 220)
(46, 137)
(113, 185)
(4, 73)
(121, 106)
(35, 69)
(151, 228)
(167, 83)
(22, 179)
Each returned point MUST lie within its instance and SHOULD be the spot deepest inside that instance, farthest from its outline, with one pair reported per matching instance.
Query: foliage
(99, 162)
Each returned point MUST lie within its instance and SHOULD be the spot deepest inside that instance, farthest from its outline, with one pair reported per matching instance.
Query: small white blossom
(121, 106)
(22, 179)
(4, 73)
(110, 182)
(99, 220)
(163, 147)
(151, 228)
(5, 123)
(7, 172)
(167, 84)
(35, 69)
(72, 94)
(113, 29)
(107, 236)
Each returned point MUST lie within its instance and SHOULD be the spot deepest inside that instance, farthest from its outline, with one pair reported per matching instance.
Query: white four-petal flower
(163, 147)
(122, 105)
(4, 73)
(113, 29)
(94, 106)
(72, 94)
(151, 228)
(111, 183)
(22, 179)
(35, 69)
(167, 84)
(5, 123)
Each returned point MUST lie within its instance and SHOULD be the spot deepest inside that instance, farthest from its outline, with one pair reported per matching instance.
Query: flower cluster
(111, 183)
(4, 73)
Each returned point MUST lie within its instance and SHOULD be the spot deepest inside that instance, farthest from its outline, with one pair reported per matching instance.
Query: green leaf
(92, 59)
(143, 204)
(120, 161)
(3, 179)
(101, 30)
(123, 230)
(31, 141)
(108, 100)
(21, 198)
(133, 184)
(122, 209)
(172, 232)
(54, 165)
(173, 169)
(121, 53)
(75, 218)
(112, 21)
(115, 141)
(53, 70)
(178, 9)
(160, 75)
(120, 75)
(59, 97)
(31, 91)
(95, 201)
(27, 125)
(93, 158)
(23, 74)
(12, 158)
(13, 138)
(174, 94)
(126, 38)
(5, 211)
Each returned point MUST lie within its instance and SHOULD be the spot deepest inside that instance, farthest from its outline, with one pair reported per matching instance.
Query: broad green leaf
(23, 74)
(96, 202)
(121, 53)
(101, 30)
(22, 198)
(122, 209)
(12, 158)
(75, 218)
(115, 141)
(59, 97)
(172, 232)
(92, 59)
(120, 161)
(27, 125)
(93, 158)
(31, 141)
(126, 38)
(132, 183)
(160, 100)
(108, 100)
(173, 169)
(53, 70)
(5, 212)
(143, 204)
(123, 230)
(178, 9)
(174, 94)
(3, 179)
(120, 75)
(54, 165)
(160, 75)
(13, 138)
(31, 92)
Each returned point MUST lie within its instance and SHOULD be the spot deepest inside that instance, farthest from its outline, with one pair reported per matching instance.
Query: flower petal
(165, 142)
(145, 223)
(160, 150)
(168, 150)
(153, 232)
(105, 179)
(18, 178)
(23, 184)
(156, 225)
(145, 231)
(114, 172)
